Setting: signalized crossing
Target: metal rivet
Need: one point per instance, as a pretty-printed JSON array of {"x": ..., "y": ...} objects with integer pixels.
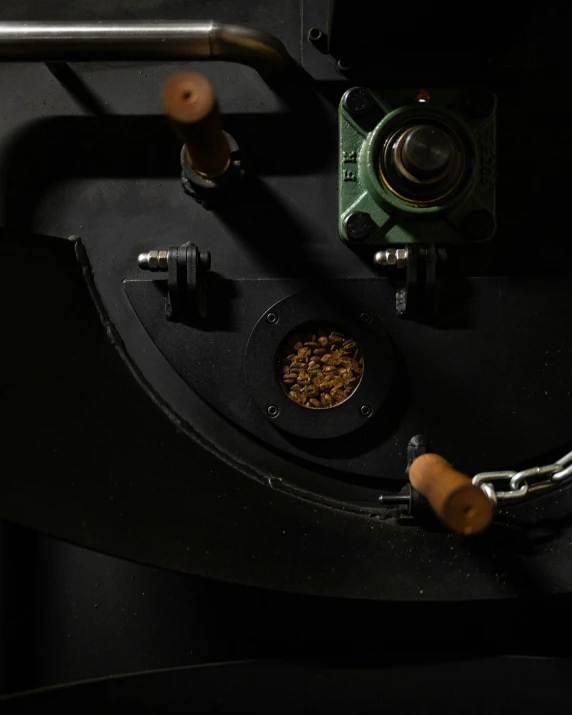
[
  {"x": 315, "y": 34},
  {"x": 273, "y": 411},
  {"x": 365, "y": 410},
  {"x": 272, "y": 318}
]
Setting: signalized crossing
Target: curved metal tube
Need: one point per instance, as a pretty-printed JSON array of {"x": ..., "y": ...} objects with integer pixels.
[{"x": 160, "y": 40}]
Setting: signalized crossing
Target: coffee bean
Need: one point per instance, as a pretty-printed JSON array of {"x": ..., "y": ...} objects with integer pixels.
[
  {"x": 297, "y": 397},
  {"x": 324, "y": 365}
]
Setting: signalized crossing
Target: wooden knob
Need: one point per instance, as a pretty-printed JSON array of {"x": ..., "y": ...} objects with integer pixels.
[
  {"x": 191, "y": 105},
  {"x": 461, "y": 505}
]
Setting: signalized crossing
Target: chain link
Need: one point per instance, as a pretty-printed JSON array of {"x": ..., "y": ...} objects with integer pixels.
[{"x": 526, "y": 482}]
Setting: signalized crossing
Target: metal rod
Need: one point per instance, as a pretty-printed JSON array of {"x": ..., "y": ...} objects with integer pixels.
[{"x": 160, "y": 40}]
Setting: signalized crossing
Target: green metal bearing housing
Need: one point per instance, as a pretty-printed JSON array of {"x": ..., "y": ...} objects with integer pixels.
[{"x": 466, "y": 214}]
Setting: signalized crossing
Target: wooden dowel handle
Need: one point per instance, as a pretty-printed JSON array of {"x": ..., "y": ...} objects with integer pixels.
[
  {"x": 459, "y": 504},
  {"x": 191, "y": 105}
]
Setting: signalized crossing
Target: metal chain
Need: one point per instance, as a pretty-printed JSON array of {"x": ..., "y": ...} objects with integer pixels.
[{"x": 525, "y": 483}]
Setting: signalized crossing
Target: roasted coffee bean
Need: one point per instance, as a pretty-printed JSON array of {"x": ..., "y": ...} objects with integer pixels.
[
  {"x": 297, "y": 397},
  {"x": 310, "y": 390},
  {"x": 349, "y": 363},
  {"x": 324, "y": 370}
]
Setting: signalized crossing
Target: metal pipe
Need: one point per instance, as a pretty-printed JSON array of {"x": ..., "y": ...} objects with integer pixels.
[{"x": 160, "y": 40}]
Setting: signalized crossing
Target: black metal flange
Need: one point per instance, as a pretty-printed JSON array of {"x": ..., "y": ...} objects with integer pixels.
[{"x": 286, "y": 318}]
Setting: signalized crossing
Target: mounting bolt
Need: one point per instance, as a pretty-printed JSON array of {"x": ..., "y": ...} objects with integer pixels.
[
  {"x": 480, "y": 225},
  {"x": 358, "y": 225},
  {"x": 317, "y": 38},
  {"x": 154, "y": 261},
  {"x": 159, "y": 260},
  {"x": 357, "y": 102},
  {"x": 272, "y": 318},
  {"x": 392, "y": 257},
  {"x": 365, "y": 410},
  {"x": 273, "y": 411}
]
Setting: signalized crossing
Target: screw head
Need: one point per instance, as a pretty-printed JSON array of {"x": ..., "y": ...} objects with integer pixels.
[
  {"x": 315, "y": 35},
  {"x": 272, "y": 318},
  {"x": 365, "y": 317},
  {"x": 343, "y": 67},
  {"x": 365, "y": 410},
  {"x": 273, "y": 411},
  {"x": 357, "y": 102},
  {"x": 358, "y": 225}
]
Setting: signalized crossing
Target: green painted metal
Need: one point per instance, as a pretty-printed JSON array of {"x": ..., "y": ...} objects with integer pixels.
[{"x": 398, "y": 221}]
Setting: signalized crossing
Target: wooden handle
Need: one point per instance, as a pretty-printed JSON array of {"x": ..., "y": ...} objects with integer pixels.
[
  {"x": 191, "y": 105},
  {"x": 461, "y": 505}
]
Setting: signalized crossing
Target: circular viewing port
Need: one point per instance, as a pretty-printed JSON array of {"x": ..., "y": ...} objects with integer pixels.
[{"x": 319, "y": 366}]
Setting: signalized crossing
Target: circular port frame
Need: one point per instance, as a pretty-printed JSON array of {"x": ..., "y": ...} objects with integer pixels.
[{"x": 266, "y": 389}]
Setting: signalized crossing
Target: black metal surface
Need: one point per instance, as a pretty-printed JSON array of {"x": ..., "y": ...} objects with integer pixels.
[
  {"x": 527, "y": 684},
  {"x": 386, "y": 41},
  {"x": 149, "y": 492},
  {"x": 73, "y": 615}
]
